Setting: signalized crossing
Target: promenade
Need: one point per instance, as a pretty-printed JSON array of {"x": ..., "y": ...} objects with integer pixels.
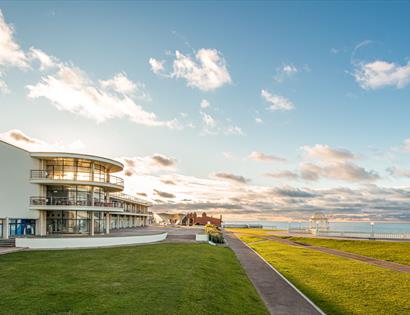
[{"x": 280, "y": 297}]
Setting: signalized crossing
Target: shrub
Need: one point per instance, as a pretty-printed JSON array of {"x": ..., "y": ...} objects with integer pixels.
[{"x": 215, "y": 235}]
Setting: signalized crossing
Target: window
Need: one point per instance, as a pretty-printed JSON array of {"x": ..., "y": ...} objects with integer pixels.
[
  {"x": 18, "y": 227},
  {"x": 76, "y": 222}
]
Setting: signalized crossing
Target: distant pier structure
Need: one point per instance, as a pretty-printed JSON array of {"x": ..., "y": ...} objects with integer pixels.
[{"x": 318, "y": 222}]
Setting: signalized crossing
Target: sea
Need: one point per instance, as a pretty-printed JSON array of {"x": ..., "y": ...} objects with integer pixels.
[{"x": 379, "y": 227}]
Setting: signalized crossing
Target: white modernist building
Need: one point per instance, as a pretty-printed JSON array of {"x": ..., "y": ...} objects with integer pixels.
[{"x": 49, "y": 193}]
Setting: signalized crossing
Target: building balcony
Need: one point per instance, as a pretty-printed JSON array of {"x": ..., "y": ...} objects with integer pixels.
[
  {"x": 107, "y": 181},
  {"x": 63, "y": 203}
]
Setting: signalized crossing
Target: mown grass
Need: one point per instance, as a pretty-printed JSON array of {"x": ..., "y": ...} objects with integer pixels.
[
  {"x": 152, "y": 279},
  {"x": 250, "y": 239},
  {"x": 339, "y": 285},
  {"x": 391, "y": 251},
  {"x": 262, "y": 232}
]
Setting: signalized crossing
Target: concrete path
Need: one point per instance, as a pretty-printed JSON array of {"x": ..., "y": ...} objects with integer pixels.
[
  {"x": 280, "y": 296},
  {"x": 7, "y": 250}
]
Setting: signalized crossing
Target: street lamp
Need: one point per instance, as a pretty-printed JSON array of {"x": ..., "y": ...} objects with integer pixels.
[{"x": 372, "y": 227}]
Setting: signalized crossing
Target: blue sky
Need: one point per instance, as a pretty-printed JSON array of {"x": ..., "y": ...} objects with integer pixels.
[{"x": 315, "y": 94}]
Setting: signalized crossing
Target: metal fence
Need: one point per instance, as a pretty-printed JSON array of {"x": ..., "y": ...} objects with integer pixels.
[{"x": 352, "y": 234}]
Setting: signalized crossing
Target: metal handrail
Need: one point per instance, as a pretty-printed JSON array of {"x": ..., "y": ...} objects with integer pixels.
[
  {"x": 110, "y": 179},
  {"x": 130, "y": 198},
  {"x": 64, "y": 201}
]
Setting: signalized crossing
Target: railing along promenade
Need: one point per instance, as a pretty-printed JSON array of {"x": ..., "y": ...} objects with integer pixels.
[{"x": 353, "y": 234}]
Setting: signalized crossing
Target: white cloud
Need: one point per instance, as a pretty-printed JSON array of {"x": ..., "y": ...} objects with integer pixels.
[
  {"x": 204, "y": 104},
  {"x": 326, "y": 153},
  {"x": 259, "y": 156},
  {"x": 230, "y": 177},
  {"x": 46, "y": 61},
  {"x": 379, "y": 73},
  {"x": 208, "y": 120},
  {"x": 20, "y": 139},
  {"x": 289, "y": 69},
  {"x": 11, "y": 55},
  {"x": 398, "y": 172},
  {"x": 4, "y": 88},
  {"x": 283, "y": 175},
  {"x": 258, "y": 120},
  {"x": 10, "y": 52},
  {"x": 406, "y": 145},
  {"x": 212, "y": 127},
  {"x": 207, "y": 71},
  {"x": 147, "y": 164},
  {"x": 345, "y": 171},
  {"x": 276, "y": 102},
  {"x": 71, "y": 90},
  {"x": 233, "y": 130},
  {"x": 157, "y": 66},
  {"x": 284, "y": 72},
  {"x": 334, "y": 164},
  {"x": 122, "y": 85}
]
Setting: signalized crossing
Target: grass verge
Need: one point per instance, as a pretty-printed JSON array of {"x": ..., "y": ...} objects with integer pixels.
[
  {"x": 151, "y": 279},
  {"x": 339, "y": 285},
  {"x": 398, "y": 252}
]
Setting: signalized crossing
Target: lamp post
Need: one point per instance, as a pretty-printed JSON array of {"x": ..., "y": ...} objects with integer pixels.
[{"x": 372, "y": 229}]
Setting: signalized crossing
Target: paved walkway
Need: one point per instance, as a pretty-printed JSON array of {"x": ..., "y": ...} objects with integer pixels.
[
  {"x": 372, "y": 261},
  {"x": 7, "y": 250},
  {"x": 279, "y": 296}
]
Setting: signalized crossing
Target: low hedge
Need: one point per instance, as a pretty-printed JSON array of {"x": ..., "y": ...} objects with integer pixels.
[{"x": 215, "y": 235}]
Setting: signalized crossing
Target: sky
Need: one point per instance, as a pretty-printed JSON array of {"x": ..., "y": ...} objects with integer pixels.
[{"x": 253, "y": 110}]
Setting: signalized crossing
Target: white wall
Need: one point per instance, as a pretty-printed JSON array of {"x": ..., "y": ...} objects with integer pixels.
[
  {"x": 87, "y": 242},
  {"x": 15, "y": 186}
]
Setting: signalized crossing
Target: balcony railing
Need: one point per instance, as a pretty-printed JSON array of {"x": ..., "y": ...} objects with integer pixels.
[
  {"x": 64, "y": 201},
  {"x": 79, "y": 176}
]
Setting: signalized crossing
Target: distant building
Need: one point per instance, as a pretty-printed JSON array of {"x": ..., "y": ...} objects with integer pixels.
[
  {"x": 168, "y": 218},
  {"x": 193, "y": 219}
]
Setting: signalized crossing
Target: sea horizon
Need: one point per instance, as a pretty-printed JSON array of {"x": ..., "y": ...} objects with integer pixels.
[{"x": 347, "y": 226}]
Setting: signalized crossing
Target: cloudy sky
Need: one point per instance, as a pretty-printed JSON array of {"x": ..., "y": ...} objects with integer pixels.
[{"x": 253, "y": 110}]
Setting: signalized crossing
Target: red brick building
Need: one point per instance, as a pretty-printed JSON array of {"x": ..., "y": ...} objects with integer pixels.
[{"x": 193, "y": 219}]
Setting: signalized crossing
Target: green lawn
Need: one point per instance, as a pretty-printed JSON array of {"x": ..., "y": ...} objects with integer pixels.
[
  {"x": 391, "y": 251},
  {"x": 339, "y": 285},
  {"x": 151, "y": 279}
]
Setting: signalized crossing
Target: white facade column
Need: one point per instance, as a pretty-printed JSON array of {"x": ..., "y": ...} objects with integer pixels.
[
  {"x": 92, "y": 223},
  {"x": 41, "y": 223},
  {"x": 6, "y": 228},
  {"x": 92, "y": 196},
  {"x": 107, "y": 223}
]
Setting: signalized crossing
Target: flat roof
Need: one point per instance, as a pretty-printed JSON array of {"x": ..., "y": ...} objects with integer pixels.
[{"x": 112, "y": 165}]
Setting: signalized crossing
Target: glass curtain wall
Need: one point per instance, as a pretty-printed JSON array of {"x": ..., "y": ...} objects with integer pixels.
[
  {"x": 99, "y": 222},
  {"x": 72, "y": 169},
  {"x": 68, "y": 222},
  {"x": 74, "y": 222},
  {"x": 74, "y": 195}
]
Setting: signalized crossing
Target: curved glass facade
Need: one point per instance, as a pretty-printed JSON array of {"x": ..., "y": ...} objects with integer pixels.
[
  {"x": 74, "y": 222},
  {"x": 70, "y": 169}
]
